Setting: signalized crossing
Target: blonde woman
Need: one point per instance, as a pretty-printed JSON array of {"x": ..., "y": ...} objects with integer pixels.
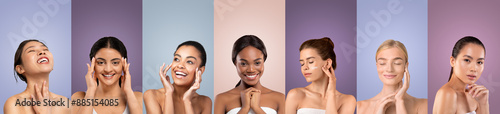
[{"x": 392, "y": 66}]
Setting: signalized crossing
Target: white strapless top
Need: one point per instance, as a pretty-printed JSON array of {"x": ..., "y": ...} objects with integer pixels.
[
  {"x": 473, "y": 112},
  {"x": 126, "y": 111},
  {"x": 310, "y": 111},
  {"x": 266, "y": 109}
]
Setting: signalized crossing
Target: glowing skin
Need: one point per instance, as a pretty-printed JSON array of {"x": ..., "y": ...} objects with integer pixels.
[
  {"x": 250, "y": 68},
  {"x": 391, "y": 68},
  {"x": 107, "y": 68},
  {"x": 37, "y": 63},
  {"x": 461, "y": 94},
  {"x": 250, "y": 94},
  {"x": 180, "y": 97},
  {"x": 322, "y": 92}
]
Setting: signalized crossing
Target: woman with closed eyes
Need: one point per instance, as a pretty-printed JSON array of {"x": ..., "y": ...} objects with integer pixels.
[{"x": 33, "y": 63}]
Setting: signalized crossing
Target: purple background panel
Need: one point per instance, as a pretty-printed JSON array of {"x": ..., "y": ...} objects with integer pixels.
[
  {"x": 94, "y": 19},
  {"x": 312, "y": 20},
  {"x": 450, "y": 20}
]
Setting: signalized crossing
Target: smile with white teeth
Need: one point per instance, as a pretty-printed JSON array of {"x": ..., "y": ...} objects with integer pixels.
[
  {"x": 251, "y": 76},
  {"x": 108, "y": 75},
  {"x": 43, "y": 60},
  {"x": 180, "y": 73}
]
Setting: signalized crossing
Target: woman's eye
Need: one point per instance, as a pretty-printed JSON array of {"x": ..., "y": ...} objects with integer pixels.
[
  {"x": 45, "y": 49},
  {"x": 311, "y": 62},
  {"x": 243, "y": 64},
  {"x": 381, "y": 63},
  {"x": 466, "y": 60},
  {"x": 480, "y": 62},
  {"x": 397, "y": 63},
  {"x": 116, "y": 63},
  {"x": 175, "y": 59},
  {"x": 190, "y": 62},
  {"x": 257, "y": 63},
  {"x": 31, "y": 51},
  {"x": 301, "y": 64},
  {"x": 100, "y": 63}
]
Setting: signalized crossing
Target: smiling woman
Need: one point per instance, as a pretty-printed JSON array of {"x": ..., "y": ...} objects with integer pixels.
[
  {"x": 105, "y": 80},
  {"x": 181, "y": 97},
  {"x": 392, "y": 65},
  {"x": 249, "y": 96},
  {"x": 33, "y": 63}
]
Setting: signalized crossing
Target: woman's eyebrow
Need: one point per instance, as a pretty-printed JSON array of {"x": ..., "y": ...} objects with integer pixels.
[
  {"x": 468, "y": 56},
  {"x": 191, "y": 57},
  {"x": 115, "y": 59}
]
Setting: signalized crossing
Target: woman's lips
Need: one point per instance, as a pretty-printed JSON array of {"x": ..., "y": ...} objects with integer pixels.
[
  {"x": 180, "y": 74},
  {"x": 389, "y": 76},
  {"x": 108, "y": 76},
  {"x": 307, "y": 74},
  {"x": 251, "y": 76},
  {"x": 471, "y": 77},
  {"x": 43, "y": 60}
]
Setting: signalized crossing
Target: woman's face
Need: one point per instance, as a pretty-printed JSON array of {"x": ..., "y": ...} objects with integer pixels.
[
  {"x": 391, "y": 66},
  {"x": 186, "y": 60},
  {"x": 311, "y": 64},
  {"x": 250, "y": 65},
  {"x": 469, "y": 64},
  {"x": 36, "y": 58},
  {"x": 108, "y": 68}
]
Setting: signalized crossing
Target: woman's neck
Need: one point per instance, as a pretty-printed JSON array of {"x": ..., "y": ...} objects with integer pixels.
[
  {"x": 456, "y": 84},
  {"x": 112, "y": 91},
  {"x": 244, "y": 86},
  {"x": 319, "y": 86},
  {"x": 180, "y": 90},
  {"x": 32, "y": 80},
  {"x": 390, "y": 89}
]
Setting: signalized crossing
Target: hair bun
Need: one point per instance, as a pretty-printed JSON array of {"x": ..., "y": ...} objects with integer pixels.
[{"x": 326, "y": 39}]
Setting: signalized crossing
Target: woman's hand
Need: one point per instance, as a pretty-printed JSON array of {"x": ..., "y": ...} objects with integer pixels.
[
  {"x": 165, "y": 80},
  {"x": 41, "y": 95},
  {"x": 255, "y": 99},
  {"x": 384, "y": 103},
  {"x": 246, "y": 95},
  {"x": 332, "y": 80},
  {"x": 126, "y": 78},
  {"x": 479, "y": 92},
  {"x": 402, "y": 91},
  {"x": 90, "y": 79},
  {"x": 196, "y": 85}
]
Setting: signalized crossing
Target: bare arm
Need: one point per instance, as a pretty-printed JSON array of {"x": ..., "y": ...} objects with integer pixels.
[{"x": 220, "y": 107}]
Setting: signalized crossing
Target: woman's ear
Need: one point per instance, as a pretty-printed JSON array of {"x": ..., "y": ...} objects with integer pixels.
[
  {"x": 202, "y": 69},
  {"x": 329, "y": 63},
  {"x": 452, "y": 61},
  {"x": 407, "y": 64},
  {"x": 20, "y": 69}
]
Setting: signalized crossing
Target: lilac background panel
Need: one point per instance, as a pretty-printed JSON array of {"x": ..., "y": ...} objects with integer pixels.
[
  {"x": 48, "y": 21},
  {"x": 312, "y": 20},
  {"x": 94, "y": 19},
  {"x": 450, "y": 20}
]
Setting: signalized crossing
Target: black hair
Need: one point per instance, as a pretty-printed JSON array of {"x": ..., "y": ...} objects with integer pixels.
[
  {"x": 108, "y": 42},
  {"x": 18, "y": 60},
  {"x": 245, "y": 41},
  {"x": 199, "y": 47},
  {"x": 460, "y": 44}
]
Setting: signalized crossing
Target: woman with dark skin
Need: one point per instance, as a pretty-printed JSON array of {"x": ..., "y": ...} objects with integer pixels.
[
  {"x": 33, "y": 64},
  {"x": 105, "y": 80},
  {"x": 460, "y": 94},
  {"x": 249, "y": 95},
  {"x": 181, "y": 97}
]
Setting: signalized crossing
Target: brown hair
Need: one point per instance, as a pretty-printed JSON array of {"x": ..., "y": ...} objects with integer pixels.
[{"x": 324, "y": 47}]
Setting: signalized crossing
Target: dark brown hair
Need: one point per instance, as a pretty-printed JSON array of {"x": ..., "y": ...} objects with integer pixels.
[{"x": 324, "y": 47}]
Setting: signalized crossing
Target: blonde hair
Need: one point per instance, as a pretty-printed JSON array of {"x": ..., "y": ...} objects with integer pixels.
[{"x": 392, "y": 43}]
